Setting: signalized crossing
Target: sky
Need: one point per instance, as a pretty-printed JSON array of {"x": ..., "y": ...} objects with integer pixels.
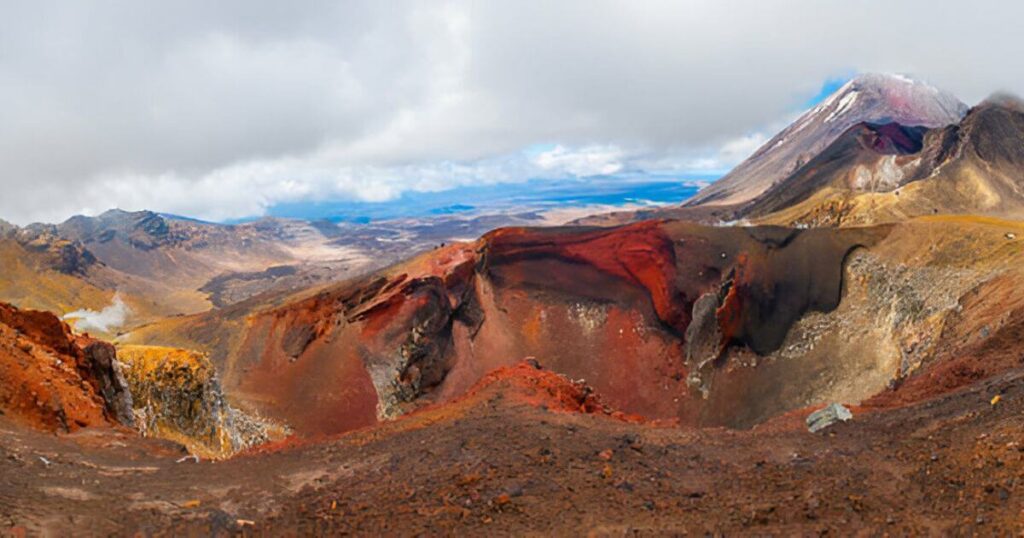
[{"x": 225, "y": 110}]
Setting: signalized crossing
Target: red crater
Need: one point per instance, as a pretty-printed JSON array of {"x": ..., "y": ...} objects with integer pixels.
[
  {"x": 641, "y": 254},
  {"x": 608, "y": 305}
]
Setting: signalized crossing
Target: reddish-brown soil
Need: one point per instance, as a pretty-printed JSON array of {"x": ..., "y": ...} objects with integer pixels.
[
  {"x": 529, "y": 383},
  {"x": 510, "y": 459}
]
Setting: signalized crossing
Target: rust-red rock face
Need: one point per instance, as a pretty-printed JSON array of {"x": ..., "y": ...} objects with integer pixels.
[
  {"x": 640, "y": 254},
  {"x": 54, "y": 380},
  {"x": 615, "y": 306},
  {"x": 729, "y": 313}
]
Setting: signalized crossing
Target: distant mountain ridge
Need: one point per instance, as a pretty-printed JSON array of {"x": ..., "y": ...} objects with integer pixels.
[{"x": 157, "y": 265}]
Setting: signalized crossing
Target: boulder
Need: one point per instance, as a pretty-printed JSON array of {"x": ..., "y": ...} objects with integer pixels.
[{"x": 827, "y": 416}]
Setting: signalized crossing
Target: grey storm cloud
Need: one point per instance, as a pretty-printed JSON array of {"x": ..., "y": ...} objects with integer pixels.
[{"x": 220, "y": 109}]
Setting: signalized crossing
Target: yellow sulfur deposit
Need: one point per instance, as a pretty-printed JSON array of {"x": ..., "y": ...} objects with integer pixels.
[{"x": 177, "y": 396}]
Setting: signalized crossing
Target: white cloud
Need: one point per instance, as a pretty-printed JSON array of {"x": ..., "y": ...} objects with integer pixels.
[
  {"x": 737, "y": 149},
  {"x": 582, "y": 162},
  {"x": 219, "y": 109}
]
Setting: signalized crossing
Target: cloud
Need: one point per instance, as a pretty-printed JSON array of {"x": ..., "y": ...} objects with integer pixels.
[
  {"x": 111, "y": 317},
  {"x": 582, "y": 162},
  {"x": 221, "y": 109},
  {"x": 729, "y": 154}
]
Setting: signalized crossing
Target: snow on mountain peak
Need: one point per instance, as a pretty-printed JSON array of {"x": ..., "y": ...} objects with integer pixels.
[{"x": 845, "y": 103}]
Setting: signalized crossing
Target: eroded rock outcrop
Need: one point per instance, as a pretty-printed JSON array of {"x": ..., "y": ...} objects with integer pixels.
[
  {"x": 55, "y": 380},
  {"x": 55, "y": 252},
  {"x": 176, "y": 395}
]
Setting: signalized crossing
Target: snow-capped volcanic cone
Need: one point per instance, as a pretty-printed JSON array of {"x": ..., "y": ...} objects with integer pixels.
[
  {"x": 870, "y": 98},
  {"x": 888, "y": 173}
]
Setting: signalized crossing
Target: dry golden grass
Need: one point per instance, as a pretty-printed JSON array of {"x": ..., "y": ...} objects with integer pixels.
[
  {"x": 26, "y": 286},
  {"x": 147, "y": 360}
]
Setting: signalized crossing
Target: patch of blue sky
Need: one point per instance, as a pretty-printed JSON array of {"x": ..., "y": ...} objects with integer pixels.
[
  {"x": 828, "y": 88},
  {"x": 537, "y": 149}
]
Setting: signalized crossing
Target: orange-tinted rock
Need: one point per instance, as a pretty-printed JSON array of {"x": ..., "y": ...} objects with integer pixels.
[
  {"x": 730, "y": 311},
  {"x": 54, "y": 380},
  {"x": 42, "y": 328}
]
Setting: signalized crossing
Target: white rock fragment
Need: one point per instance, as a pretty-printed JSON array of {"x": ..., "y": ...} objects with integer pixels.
[{"x": 828, "y": 416}]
